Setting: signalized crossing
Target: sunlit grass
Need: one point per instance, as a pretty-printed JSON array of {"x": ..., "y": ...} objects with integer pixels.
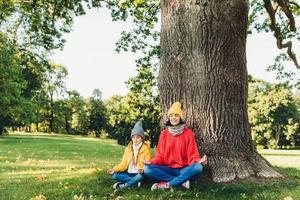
[
  {"x": 68, "y": 167},
  {"x": 282, "y": 158},
  {"x": 35, "y": 162}
]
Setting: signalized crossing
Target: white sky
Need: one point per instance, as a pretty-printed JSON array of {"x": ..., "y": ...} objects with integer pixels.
[{"x": 92, "y": 61}]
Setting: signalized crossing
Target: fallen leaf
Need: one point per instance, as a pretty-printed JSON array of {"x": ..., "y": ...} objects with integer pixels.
[
  {"x": 119, "y": 198},
  {"x": 41, "y": 177},
  {"x": 95, "y": 171},
  {"x": 40, "y": 197}
]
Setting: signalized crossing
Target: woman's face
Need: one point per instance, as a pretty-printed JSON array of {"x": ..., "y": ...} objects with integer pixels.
[{"x": 174, "y": 119}]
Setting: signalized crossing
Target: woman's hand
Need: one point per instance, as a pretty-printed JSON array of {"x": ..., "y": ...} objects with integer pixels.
[
  {"x": 110, "y": 171},
  {"x": 141, "y": 171},
  {"x": 203, "y": 160}
]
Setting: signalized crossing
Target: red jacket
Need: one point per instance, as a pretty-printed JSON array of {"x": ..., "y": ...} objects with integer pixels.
[{"x": 176, "y": 151}]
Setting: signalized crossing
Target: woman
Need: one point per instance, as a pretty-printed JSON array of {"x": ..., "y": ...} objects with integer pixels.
[{"x": 177, "y": 158}]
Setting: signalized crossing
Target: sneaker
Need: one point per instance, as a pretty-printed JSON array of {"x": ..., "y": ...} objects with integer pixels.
[
  {"x": 139, "y": 184},
  {"x": 186, "y": 184},
  {"x": 119, "y": 185},
  {"x": 161, "y": 185}
]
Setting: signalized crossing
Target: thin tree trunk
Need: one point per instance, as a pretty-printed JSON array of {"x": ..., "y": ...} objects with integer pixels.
[
  {"x": 51, "y": 120},
  {"x": 277, "y": 136},
  {"x": 203, "y": 65},
  {"x": 67, "y": 124},
  {"x": 37, "y": 126}
]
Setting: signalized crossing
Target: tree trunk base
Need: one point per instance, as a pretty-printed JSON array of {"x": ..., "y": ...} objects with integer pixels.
[{"x": 224, "y": 169}]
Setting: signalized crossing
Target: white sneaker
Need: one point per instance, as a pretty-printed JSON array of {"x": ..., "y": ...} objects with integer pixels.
[
  {"x": 161, "y": 185},
  {"x": 139, "y": 184},
  {"x": 119, "y": 185},
  {"x": 186, "y": 184}
]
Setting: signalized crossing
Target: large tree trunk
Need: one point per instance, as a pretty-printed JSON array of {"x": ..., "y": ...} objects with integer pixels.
[{"x": 203, "y": 65}]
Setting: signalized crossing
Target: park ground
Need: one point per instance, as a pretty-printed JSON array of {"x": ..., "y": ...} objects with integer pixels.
[{"x": 56, "y": 167}]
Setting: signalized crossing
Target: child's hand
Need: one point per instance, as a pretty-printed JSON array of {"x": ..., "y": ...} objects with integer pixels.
[
  {"x": 110, "y": 171},
  {"x": 203, "y": 160},
  {"x": 147, "y": 162},
  {"x": 141, "y": 171}
]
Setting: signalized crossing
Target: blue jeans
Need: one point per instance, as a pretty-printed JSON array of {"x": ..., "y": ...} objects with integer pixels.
[
  {"x": 128, "y": 178},
  {"x": 175, "y": 176}
]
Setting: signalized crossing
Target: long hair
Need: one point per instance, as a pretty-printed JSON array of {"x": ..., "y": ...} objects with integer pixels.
[{"x": 168, "y": 123}]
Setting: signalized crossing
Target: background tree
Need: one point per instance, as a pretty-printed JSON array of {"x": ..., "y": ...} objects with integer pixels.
[
  {"x": 273, "y": 114},
  {"x": 12, "y": 83},
  {"x": 34, "y": 29},
  {"x": 54, "y": 85},
  {"x": 143, "y": 99},
  {"x": 120, "y": 118},
  {"x": 75, "y": 117},
  {"x": 97, "y": 114}
]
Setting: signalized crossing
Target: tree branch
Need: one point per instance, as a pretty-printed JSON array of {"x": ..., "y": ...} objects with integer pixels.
[
  {"x": 272, "y": 9},
  {"x": 287, "y": 11},
  {"x": 54, "y": 12},
  {"x": 33, "y": 3},
  {"x": 295, "y": 4}
]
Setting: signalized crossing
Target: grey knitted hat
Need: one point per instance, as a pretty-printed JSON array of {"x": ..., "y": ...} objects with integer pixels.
[{"x": 138, "y": 129}]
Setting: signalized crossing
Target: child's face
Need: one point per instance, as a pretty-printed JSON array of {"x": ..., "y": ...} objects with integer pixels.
[
  {"x": 174, "y": 119},
  {"x": 136, "y": 139}
]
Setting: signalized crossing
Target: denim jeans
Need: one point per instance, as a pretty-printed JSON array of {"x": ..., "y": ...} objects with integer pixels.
[
  {"x": 175, "y": 176},
  {"x": 128, "y": 178}
]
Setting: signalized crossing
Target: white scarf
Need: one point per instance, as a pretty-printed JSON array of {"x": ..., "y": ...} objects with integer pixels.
[{"x": 132, "y": 168}]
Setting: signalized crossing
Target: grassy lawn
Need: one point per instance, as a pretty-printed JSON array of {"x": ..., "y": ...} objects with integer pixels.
[
  {"x": 282, "y": 158},
  {"x": 56, "y": 167}
]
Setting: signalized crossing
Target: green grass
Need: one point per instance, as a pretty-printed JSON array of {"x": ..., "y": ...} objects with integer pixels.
[
  {"x": 72, "y": 167},
  {"x": 282, "y": 158}
]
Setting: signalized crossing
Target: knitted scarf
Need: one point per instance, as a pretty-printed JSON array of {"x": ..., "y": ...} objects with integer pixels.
[{"x": 176, "y": 130}]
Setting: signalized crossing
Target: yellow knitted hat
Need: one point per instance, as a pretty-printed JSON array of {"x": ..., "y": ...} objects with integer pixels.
[{"x": 176, "y": 109}]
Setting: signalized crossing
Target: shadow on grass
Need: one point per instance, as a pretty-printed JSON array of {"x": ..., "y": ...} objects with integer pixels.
[
  {"x": 254, "y": 189},
  {"x": 99, "y": 186}
]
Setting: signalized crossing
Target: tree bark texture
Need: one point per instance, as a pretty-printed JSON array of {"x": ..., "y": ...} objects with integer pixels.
[{"x": 203, "y": 65}]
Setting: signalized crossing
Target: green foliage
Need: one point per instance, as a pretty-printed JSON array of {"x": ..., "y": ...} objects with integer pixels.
[
  {"x": 75, "y": 113},
  {"x": 257, "y": 17},
  {"x": 6, "y": 8},
  {"x": 142, "y": 103},
  {"x": 12, "y": 83},
  {"x": 38, "y": 26},
  {"x": 273, "y": 114},
  {"x": 144, "y": 99},
  {"x": 120, "y": 118},
  {"x": 97, "y": 114},
  {"x": 54, "y": 86},
  {"x": 289, "y": 77}
]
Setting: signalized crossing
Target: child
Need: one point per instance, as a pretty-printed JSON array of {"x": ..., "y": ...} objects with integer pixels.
[{"x": 130, "y": 171}]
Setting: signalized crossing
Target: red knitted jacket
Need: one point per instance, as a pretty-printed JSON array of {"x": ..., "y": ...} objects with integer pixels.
[{"x": 176, "y": 151}]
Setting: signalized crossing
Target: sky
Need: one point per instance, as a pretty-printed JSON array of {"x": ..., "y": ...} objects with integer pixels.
[{"x": 92, "y": 62}]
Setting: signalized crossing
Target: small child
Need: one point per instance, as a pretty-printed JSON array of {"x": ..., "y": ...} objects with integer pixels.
[{"x": 130, "y": 171}]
